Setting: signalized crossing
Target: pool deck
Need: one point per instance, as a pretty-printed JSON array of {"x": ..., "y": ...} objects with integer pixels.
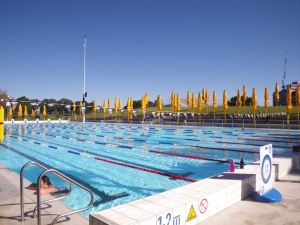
[
  {"x": 245, "y": 212},
  {"x": 248, "y": 212},
  {"x": 10, "y": 203}
]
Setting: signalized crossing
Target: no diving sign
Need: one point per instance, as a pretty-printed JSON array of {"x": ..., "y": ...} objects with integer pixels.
[{"x": 203, "y": 205}]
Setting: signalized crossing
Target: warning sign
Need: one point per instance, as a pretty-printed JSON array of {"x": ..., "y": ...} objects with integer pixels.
[{"x": 192, "y": 214}]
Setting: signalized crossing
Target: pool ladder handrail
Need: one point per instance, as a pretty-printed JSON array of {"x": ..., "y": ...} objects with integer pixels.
[
  {"x": 22, "y": 188},
  {"x": 39, "y": 203}
]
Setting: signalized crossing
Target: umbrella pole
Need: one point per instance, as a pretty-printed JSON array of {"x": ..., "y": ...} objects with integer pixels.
[{"x": 225, "y": 117}]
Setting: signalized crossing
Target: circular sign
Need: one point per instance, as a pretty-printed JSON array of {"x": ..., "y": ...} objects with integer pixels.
[
  {"x": 266, "y": 169},
  {"x": 203, "y": 205}
]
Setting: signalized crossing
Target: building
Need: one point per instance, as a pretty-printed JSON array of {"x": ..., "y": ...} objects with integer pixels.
[{"x": 282, "y": 94}]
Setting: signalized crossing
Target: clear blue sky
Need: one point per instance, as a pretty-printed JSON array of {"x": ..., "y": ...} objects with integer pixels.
[{"x": 146, "y": 46}]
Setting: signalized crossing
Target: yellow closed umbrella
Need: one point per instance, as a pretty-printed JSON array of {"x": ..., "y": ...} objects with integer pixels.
[
  {"x": 144, "y": 102},
  {"x": 128, "y": 108},
  {"x": 214, "y": 103},
  {"x": 159, "y": 103},
  {"x": 298, "y": 99},
  {"x": 120, "y": 104},
  {"x": 144, "y": 105},
  {"x": 108, "y": 103},
  {"x": 238, "y": 101},
  {"x": 1, "y": 124},
  {"x": 193, "y": 102},
  {"x": 172, "y": 101},
  {"x": 74, "y": 109},
  {"x": 206, "y": 99},
  {"x": 254, "y": 105},
  {"x": 175, "y": 102},
  {"x": 178, "y": 103},
  {"x": 20, "y": 114},
  {"x": 199, "y": 105},
  {"x": 1, "y": 115},
  {"x": 188, "y": 100},
  {"x": 25, "y": 111},
  {"x": 44, "y": 111},
  {"x": 1, "y": 132},
  {"x": 244, "y": 96},
  {"x": 131, "y": 103},
  {"x": 32, "y": 113},
  {"x": 266, "y": 96},
  {"x": 289, "y": 104},
  {"x": 225, "y": 104},
  {"x": 159, "y": 106},
  {"x": 276, "y": 95}
]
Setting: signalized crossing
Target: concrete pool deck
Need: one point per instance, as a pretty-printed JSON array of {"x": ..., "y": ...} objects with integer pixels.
[
  {"x": 10, "y": 203},
  {"x": 248, "y": 212},
  {"x": 245, "y": 212}
]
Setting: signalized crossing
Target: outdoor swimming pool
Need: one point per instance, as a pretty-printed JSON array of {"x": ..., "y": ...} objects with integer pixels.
[{"x": 121, "y": 163}]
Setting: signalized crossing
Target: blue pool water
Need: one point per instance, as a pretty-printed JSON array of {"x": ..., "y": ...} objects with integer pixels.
[{"x": 121, "y": 163}]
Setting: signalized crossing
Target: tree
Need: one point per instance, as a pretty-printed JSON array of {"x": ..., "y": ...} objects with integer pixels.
[{"x": 232, "y": 101}]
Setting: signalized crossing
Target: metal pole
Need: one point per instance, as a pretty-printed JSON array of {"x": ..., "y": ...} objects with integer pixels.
[{"x": 84, "y": 63}]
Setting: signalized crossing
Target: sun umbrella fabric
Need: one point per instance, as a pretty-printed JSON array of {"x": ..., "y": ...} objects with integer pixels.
[
  {"x": 1, "y": 132},
  {"x": 74, "y": 107},
  {"x": 206, "y": 97},
  {"x": 225, "y": 101},
  {"x": 188, "y": 100},
  {"x": 193, "y": 102},
  {"x": 178, "y": 103},
  {"x": 25, "y": 111},
  {"x": 214, "y": 100},
  {"x": 104, "y": 106},
  {"x": 244, "y": 95},
  {"x": 214, "y": 103},
  {"x": 238, "y": 101},
  {"x": 120, "y": 104},
  {"x": 225, "y": 104},
  {"x": 266, "y": 96},
  {"x": 289, "y": 104},
  {"x": 32, "y": 113},
  {"x": 108, "y": 103},
  {"x": 276, "y": 95},
  {"x": 254, "y": 100},
  {"x": 20, "y": 110},
  {"x": 1, "y": 124},
  {"x": 1, "y": 115},
  {"x": 199, "y": 103},
  {"x": 159, "y": 103},
  {"x": 44, "y": 111}
]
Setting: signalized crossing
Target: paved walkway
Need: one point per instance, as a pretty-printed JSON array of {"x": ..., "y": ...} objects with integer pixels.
[
  {"x": 10, "y": 204},
  {"x": 248, "y": 212}
]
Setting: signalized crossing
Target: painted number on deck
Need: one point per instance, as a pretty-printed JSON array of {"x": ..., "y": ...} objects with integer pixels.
[{"x": 164, "y": 220}]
